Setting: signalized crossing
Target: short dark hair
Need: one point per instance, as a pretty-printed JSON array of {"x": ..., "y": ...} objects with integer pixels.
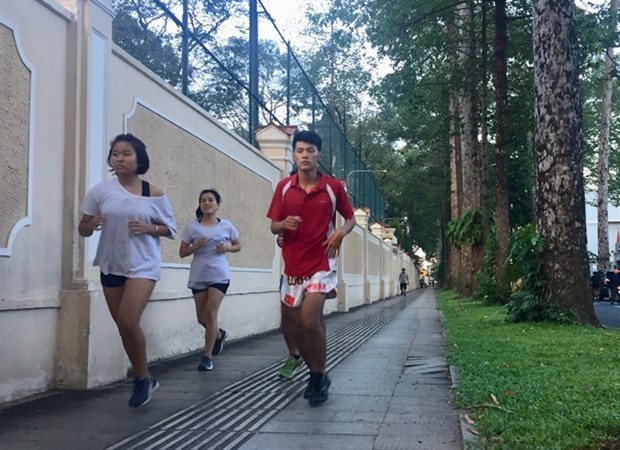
[
  {"x": 307, "y": 136},
  {"x": 218, "y": 199},
  {"x": 142, "y": 158}
]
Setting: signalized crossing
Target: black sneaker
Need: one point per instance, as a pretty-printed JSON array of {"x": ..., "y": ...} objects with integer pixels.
[
  {"x": 143, "y": 389},
  {"x": 311, "y": 384},
  {"x": 309, "y": 387},
  {"x": 205, "y": 364},
  {"x": 219, "y": 343},
  {"x": 318, "y": 388}
]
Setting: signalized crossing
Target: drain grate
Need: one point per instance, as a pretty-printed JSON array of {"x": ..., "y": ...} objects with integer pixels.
[{"x": 230, "y": 417}]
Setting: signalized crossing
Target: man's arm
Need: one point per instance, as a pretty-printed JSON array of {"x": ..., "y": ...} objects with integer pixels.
[
  {"x": 334, "y": 241},
  {"x": 290, "y": 223}
]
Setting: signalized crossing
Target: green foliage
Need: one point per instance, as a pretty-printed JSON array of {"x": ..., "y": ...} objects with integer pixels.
[
  {"x": 151, "y": 49},
  {"x": 524, "y": 265},
  {"x": 465, "y": 231},
  {"x": 440, "y": 273},
  {"x": 526, "y": 307},
  {"x": 524, "y": 270},
  {"x": 553, "y": 385},
  {"x": 488, "y": 292}
]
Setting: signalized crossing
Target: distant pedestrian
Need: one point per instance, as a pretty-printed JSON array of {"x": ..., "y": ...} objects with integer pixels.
[
  {"x": 132, "y": 215},
  {"x": 403, "y": 279},
  {"x": 597, "y": 282},
  {"x": 304, "y": 208},
  {"x": 612, "y": 281},
  {"x": 209, "y": 238}
]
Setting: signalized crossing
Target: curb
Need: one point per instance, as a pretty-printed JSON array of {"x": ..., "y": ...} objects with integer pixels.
[{"x": 467, "y": 434}]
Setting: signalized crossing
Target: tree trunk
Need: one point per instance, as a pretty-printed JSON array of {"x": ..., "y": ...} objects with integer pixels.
[
  {"x": 502, "y": 155},
  {"x": 456, "y": 180},
  {"x": 469, "y": 142},
  {"x": 603, "y": 156},
  {"x": 560, "y": 206},
  {"x": 456, "y": 191},
  {"x": 484, "y": 136}
]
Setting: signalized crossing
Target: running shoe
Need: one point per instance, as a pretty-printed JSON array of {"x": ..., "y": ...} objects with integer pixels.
[
  {"x": 219, "y": 343},
  {"x": 317, "y": 391},
  {"x": 143, "y": 389},
  {"x": 290, "y": 366},
  {"x": 205, "y": 364}
]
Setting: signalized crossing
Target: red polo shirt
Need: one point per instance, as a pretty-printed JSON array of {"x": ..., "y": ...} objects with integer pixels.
[{"x": 303, "y": 250}]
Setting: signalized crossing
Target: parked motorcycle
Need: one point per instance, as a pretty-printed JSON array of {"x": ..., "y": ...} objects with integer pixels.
[{"x": 614, "y": 295}]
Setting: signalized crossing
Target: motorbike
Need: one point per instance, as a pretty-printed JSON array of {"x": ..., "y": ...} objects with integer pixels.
[{"x": 614, "y": 295}]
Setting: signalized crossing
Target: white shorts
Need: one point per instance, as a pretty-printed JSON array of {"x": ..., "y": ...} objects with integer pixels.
[{"x": 293, "y": 289}]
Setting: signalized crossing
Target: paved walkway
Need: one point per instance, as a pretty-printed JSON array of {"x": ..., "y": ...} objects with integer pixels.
[{"x": 390, "y": 390}]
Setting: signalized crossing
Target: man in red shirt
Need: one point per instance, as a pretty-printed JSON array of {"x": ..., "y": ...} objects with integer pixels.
[{"x": 303, "y": 208}]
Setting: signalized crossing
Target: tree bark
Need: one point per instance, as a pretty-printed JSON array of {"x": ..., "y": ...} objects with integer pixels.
[
  {"x": 484, "y": 136},
  {"x": 456, "y": 179},
  {"x": 560, "y": 207},
  {"x": 502, "y": 154},
  {"x": 469, "y": 143},
  {"x": 603, "y": 156},
  {"x": 456, "y": 191}
]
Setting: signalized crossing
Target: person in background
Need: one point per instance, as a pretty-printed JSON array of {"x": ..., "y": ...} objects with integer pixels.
[
  {"x": 209, "y": 238},
  {"x": 131, "y": 215},
  {"x": 303, "y": 208},
  {"x": 403, "y": 279},
  {"x": 597, "y": 281},
  {"x": 612, "y": 281}
]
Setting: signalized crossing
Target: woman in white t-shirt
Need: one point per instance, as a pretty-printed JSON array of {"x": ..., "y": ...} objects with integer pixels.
[
  {"x": 209, "y": 238},
  {"x": 132, "y": 215}
]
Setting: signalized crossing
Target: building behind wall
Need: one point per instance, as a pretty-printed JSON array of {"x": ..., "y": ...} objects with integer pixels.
[{"x": 613, "y": 216}]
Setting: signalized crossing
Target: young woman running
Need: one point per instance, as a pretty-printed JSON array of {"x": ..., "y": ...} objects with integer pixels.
[{"x": 209, "y": 238}]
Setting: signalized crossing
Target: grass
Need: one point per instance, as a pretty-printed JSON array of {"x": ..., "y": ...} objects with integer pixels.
[{"x": 533, "y": 385}]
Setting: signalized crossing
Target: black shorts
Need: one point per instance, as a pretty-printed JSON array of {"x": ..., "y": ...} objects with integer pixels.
[
  {"x": 223, "y": 287},
  {"x": 112, "y": 281},
  {"x": 403, "y": 285}
]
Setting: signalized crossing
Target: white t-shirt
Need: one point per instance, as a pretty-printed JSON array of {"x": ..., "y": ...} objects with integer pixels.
[
  {"x": 120, "y": 252},
  {"x": 208, "y": 265}
]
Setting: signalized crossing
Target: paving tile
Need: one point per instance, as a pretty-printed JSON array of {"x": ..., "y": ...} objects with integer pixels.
[
  {"x": 376, "y": 402},
  {"x": 291, "y": 441}
]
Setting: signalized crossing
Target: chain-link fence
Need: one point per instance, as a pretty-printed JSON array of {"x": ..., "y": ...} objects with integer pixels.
[{"x": 232, "y": 60}]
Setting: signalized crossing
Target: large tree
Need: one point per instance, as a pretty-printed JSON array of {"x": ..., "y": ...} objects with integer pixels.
[
  {"x": 603, "y": 151},
  {"x": 560, "y": 203},
  {"x": 502, "y": 152}
]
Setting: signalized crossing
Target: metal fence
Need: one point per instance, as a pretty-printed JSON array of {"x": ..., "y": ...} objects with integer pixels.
[{"x": 245, "y": 76}]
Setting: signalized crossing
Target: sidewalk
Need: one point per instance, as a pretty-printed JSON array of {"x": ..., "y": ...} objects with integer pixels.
[{"x": 390, "y": 390}]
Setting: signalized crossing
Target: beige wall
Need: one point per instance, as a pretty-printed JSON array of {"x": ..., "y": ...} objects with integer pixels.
[{"x": 62, "y": 103}]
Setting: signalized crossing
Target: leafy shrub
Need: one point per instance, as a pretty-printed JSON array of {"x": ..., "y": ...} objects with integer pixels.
[
  {"x": 526, "y": 307},
  {"x": 524, "y": 270},
  {"x": 488, "y": 292},
  {"x": 465, "y": 231},
  {"x": 524, "y": 264}
]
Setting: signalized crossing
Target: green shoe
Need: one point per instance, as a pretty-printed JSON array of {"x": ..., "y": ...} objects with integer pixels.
[{"x": 289, "y": 367}]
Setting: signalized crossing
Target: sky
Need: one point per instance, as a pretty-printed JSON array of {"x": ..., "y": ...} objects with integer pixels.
[{"x": 289, "y": 16}]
